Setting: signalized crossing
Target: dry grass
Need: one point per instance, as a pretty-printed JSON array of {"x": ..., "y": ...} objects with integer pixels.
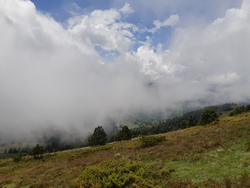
[{"x": 193, "y": 155}]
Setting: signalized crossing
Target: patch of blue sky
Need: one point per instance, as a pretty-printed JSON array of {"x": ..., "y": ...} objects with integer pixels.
[
  {"x": 107, "y": 55},
  {"x": 52, "y": 7},
  {"x": 61, "y": 10},
  {"x": 47, "y": 5},
  {"x": 163, "y": 36},
  {"x": 93, "y": 4}
]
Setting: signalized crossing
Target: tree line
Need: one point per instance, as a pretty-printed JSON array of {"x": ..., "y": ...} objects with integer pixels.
[
  {"x": 199, "y": 117},
  {"x": 101, "y": 137}
]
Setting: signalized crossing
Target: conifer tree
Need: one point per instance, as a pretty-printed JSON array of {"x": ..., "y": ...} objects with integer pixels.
[
  {"x": 124, "y": 134},
  {"x": 38, "y": 152},
  {"x": 99, "y": 137},
  {"x": 208, "y": 115}
]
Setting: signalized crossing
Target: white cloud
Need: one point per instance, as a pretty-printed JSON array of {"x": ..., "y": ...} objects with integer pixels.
[
  {"x": 217, "y": 54},
  {"x": 224, "y": 79},
  {"x": 156, "y": 63},
  {"x": 191, "y": 12},
  {"x": 52, "y": 75},
  {"x": 171, "y": 21},
  {"x": 126, "y": 9},
  {"x": 105, "y": 29}
]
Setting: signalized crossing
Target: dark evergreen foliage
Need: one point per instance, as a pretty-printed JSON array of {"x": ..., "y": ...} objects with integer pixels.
[
  {"x": 25, "y": 150},
  {"x": 14, "y": 150},
  {"x": 179, "y": 122},
  {"x": 183, "y": 121},
  {"x": 10, "y": 150},
  {"x": 124, "y": 134},
  {"x": 224, "y": 107},
  {"x": 240, "y": 109},
  {"x": 208, "y": 115},
  {"x": 53, "y": 144},
  {"x": 99, "y": 137},
  {"x": 38, "y": 152}
]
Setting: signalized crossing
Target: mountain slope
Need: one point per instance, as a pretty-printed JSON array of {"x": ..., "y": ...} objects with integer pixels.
[{"x": 214, "y": 155}]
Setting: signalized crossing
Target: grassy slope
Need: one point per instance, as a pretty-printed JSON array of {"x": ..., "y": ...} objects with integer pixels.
[{"x": 209, "y": 156}]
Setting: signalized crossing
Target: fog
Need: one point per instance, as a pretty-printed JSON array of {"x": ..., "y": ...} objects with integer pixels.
[{"x": 76, "y": 77}]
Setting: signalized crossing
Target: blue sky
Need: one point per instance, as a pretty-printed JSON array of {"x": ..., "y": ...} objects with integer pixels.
[
  {"x": 59, "y": 9},
  {"x": 191, "y": 12},
  {"x": 145, "y": 11}
]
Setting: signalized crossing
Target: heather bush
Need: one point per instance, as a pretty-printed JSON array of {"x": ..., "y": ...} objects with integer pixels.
[
  {"x": 114, "y": 173},
  {"x": 147, "y": 141}
]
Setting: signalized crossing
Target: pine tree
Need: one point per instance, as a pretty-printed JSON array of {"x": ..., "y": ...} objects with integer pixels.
[
  {"x": 37, "y": 152},
  {"x": 124, "y": 134},
  {"x": 208, "y": 115},
  {"x": 99, "y": 137},
  {"x": 191, "y": 121}
]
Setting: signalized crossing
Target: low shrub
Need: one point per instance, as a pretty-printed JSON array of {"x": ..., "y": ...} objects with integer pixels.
[
  {"x": 114, "y": 173},
  {"x": 147, "y": 141},
  {"x": 17, "y": 158}
]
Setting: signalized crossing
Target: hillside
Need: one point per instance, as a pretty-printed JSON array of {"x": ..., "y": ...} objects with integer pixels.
[{"x": 216, "y": 155}]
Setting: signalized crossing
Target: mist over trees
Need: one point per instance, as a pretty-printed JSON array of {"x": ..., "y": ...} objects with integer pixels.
[
  {"x": 54, "y": 141},
  {"x": 181, "y": 121}
]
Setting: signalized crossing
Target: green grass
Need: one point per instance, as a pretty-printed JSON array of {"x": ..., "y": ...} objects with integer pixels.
[
  {"x": 215, "y": 155},
  {"x": 217, "y": 164},
  {"x": 7, "y": 155}
]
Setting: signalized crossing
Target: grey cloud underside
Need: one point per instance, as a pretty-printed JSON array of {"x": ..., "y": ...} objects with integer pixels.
[{"x": 52, "y": 76}]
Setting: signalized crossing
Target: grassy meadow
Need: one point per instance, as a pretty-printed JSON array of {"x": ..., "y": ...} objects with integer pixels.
[{"x": 216, "y": 155}]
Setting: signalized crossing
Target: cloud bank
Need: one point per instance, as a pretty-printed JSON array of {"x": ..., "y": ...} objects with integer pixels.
[{"x": 95, "y": 68}]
